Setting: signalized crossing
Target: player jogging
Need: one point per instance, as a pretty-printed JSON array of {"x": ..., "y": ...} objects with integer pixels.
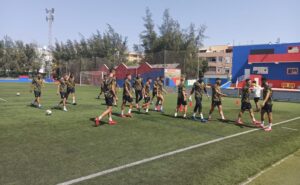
[
  {"x": 154, "y": 90},
  {"x": 217, "y": 99},
  {"x": 160, "y": 96},
  {"x": 109, "y": 94},
  {"x": 199, "y": 88},
  {"x": 71, "y": 88},
  {"x": 36, "y": 86},
  {"x": 257, "y": 94},
  {"x": 127, "y": 96},
  {"x": 245, "y": 103},
  {"x": 267, "y": 105},
  {"x": 62, "y": 90},
  {"x": 182, "y": 98},
  {"x": 138, "y": 87},
  {"x": 146, "y": 94},
  {"x": 102, "y": 87},
  {"x": 116, "y": 92}
]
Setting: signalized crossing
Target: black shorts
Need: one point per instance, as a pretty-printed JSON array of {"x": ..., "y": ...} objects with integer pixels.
[
  {"x": 216, "y": 103},
  {"x": 198, "y": 100},
  {"x": 154, "y": 93},
  {"x": 109, "y": 101},
  {"x": 246, "y": 106},
  {"x": 147, "y": 99},
  {"x": 256, "y": 99},
  {"x": 63, "y": 95},
  {"x": 267, "y": 108},
  {"x": 181, "y": 101},
  {"x": 127, "y": 98},
  {"x": 37, "y": 94},
  {"x": 71, "y": 90}
]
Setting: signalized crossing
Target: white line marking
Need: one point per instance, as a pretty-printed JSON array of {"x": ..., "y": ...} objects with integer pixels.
[
  {"x": 250, "y": 179},
  {"x": 290, "y": 128},
  {"x": 3, "y": 99},
  {"x": 164, "y": 155}
]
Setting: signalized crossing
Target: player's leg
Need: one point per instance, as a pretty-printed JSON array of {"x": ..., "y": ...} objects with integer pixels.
[
  {"x": 270, "y": 118},
  {"x": 196, "y": 108},
  {"x": 136, "y": 97},
  {"x": 161, "y": 103},
  {"x": 185, "y": 110},
  {"x": 130, "y": 100},
  {"x": 34, "y": 102},
  {"x": 38, "y": 100},
  {"x": 212, "y": 108},
  {"x": 153, "y": 96},
  {"x": 200, "y": 111},
  {"x": 73, "y": 96},
  {"x": 256, "y": 104},
  {"x": 220, "y": 108},
  {"x": 262, "y": 117},
  {"x": 148, "y": 104},
  {"x": 64, "y": 103},
  {"x": 251, "y": 112},
  {"x": 123, "y": 106},
  {"x": 140, "y": 95},
  {"x": 177, "y": 107}
]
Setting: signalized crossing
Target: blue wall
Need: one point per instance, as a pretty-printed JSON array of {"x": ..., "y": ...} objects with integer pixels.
[{"x": 276, "y": 71}]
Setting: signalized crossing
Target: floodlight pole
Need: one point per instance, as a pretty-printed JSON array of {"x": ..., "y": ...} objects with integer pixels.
[{"x": 50, "y": 19}]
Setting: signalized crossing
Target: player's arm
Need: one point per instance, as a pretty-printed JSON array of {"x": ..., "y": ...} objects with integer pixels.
[
  {"x": 220, "y": 93},
  {"x": 42, "y": 83},
  {"x": 184, "y": 94},
  {"x": 192, "y": 92},
  {"x": 58, "y": 87},
  {"x": 127, "y": 91},
  {"x": 113, "y": 90},
  {"x": 205, "y": 90},
  {"x": 143, "y": 91}
]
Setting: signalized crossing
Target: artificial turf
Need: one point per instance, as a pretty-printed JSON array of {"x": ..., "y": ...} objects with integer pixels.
[{"x": 40, "y": 149}]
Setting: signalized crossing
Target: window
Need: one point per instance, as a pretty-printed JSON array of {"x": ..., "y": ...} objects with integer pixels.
[
  {"x": 292, "y": 71},
  {"x": 219, "y": 70},
  {"x": 220, "y": 59},
  {"x": 212, "y": 69},
  {"x": 228, "y": 60},
  {"x": 211, "y": 59},
  {"x": 227, "y": 70}
]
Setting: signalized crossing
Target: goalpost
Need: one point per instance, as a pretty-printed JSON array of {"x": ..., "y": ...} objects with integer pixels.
[{"x": 91, "y": 77}]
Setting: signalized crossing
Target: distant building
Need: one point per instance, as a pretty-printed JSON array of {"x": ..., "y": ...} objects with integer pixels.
[
  {"x": 219, "y": 60},
  {"x": 134, "y": 57},
  {"x": 279, "y": 63}
]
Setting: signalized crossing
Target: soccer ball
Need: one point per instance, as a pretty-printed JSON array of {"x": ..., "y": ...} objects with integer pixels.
[
  {"x": 18, "y": 94},
  {"x": 48, "y": 112}
]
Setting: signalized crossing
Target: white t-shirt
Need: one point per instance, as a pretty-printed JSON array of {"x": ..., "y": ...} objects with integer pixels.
[{"x": 257, "y": 91}]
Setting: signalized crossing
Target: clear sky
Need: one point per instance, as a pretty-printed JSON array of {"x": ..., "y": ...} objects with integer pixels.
[{"x": 241, "y": 21}]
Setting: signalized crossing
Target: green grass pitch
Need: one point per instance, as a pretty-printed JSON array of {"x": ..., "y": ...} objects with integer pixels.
[{"x": 40, "y": 149}]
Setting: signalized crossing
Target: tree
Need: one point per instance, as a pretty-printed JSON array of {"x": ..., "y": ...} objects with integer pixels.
[
  {"x": 181, "y": 44},
  {"x": 148, "y": 37}
]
